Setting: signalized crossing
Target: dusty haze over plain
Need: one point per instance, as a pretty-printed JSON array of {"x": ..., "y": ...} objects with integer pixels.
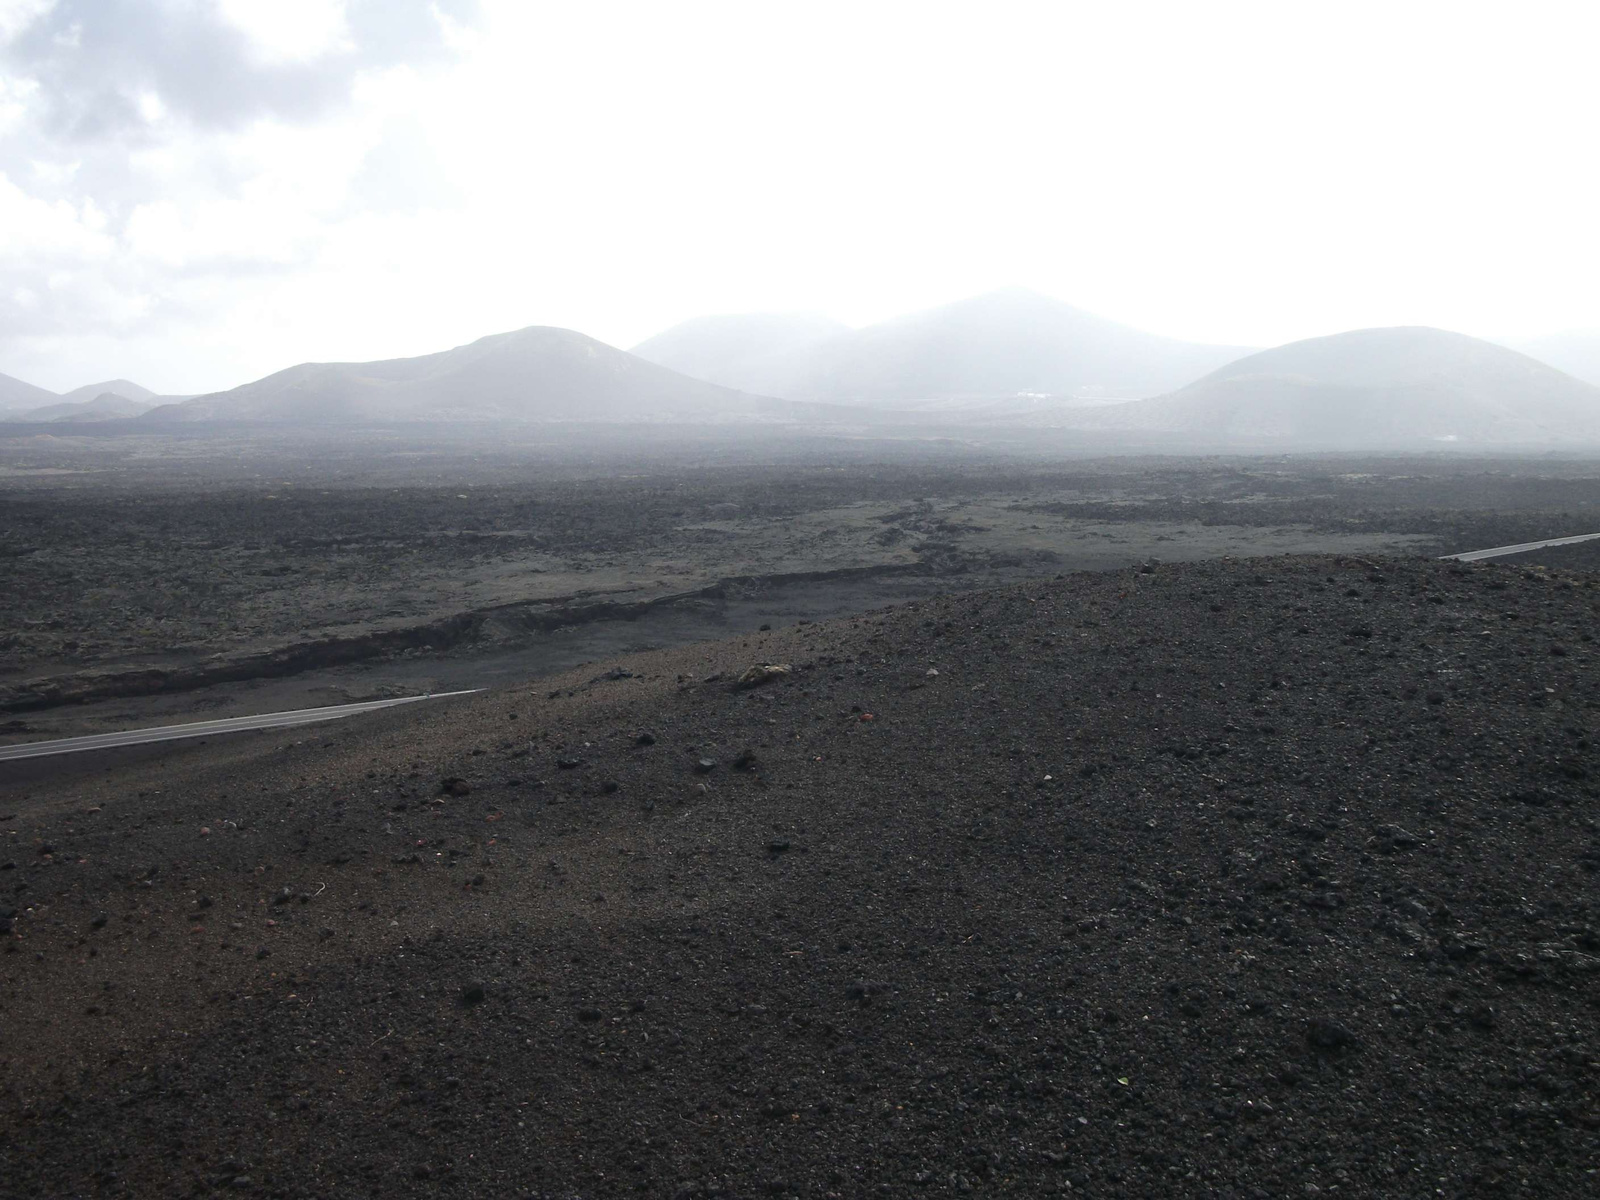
[{"x": 194, "y": 193}]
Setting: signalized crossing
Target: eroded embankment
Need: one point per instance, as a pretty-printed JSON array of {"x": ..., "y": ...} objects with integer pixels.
[{"x": 456, "y": 631}]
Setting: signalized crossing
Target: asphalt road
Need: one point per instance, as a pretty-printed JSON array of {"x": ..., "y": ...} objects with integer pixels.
[
  {"x": 169, "y": 733},
  {"x": 1498, "y": 551}
]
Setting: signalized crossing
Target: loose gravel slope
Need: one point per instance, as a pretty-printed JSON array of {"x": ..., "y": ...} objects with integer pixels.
[{"x": 1235, "y": 879}]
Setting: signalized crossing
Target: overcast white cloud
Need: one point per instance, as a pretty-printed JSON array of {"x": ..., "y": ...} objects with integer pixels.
[{"x": 196, "y": 192}]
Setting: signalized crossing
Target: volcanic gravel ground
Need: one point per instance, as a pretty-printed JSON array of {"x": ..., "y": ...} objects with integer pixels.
[{"x": 1238, "y": 879}]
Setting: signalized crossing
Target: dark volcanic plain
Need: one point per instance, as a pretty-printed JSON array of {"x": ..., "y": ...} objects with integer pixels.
[
  {"x": 1239, "y": 876},
  {"x": 1232, "y": 878},
  {"x": 143, "y": 580}
]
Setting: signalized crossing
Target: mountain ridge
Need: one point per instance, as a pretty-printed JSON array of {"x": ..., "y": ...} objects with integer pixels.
[
  {"x": 106, "y": 406},
  {"x": 22, "y": 401},
  {"x": 16, "y": 394},
  {"x": 125, "y": 388},
  {"x": 1006, "y": 342},
  {"x": 1397, "y": 385},
  {"x": 537, "y": 373},
  {"x": 722, "y": 348}
]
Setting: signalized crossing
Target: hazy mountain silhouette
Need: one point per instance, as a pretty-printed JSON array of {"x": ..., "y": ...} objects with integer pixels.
[
  {"x": 731, "y": 349},
  {"x": 1003, "y": 343},
  {"x": 14, "y": 394},
  {"x": 125, "y": 388},
  {"x": 93, "y": 401},
  {"x": 539, "y": 373},
  {"x": 104, "y": 407},
  {"x": 1373, "y": 388},
  {"x": 1575, "y": 351}
]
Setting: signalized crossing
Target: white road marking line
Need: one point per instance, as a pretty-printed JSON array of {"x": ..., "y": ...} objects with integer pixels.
[
  {"x": 170, "y": 733},
  {"x": 1497, "y": 551}
]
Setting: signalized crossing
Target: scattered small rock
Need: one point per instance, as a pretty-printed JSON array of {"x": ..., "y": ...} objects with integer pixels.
[{"x": 763, "y": 673}]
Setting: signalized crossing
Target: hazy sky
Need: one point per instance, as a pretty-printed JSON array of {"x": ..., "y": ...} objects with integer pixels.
[{"x": 196, "y": 192}]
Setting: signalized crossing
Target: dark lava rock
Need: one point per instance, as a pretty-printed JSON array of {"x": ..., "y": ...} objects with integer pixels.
[
  {"x": 746, "y": 761},
  {"x": 645, "y": 739},
  {"x": 454, "y": 785},
  {"x": 1397, "y": 837},
  {"x": 1326, "y": 1034},
  {"x": 610, "y": 787},
  {"x": 98, "y": 921},
  {"x": 568, "y": 764},
  {"x": 472, "y": 992},
  {"x": 588, "y": 1015},
  {"x": 1458, "y": 949},
  {"x": 1414, "y": 909}
]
